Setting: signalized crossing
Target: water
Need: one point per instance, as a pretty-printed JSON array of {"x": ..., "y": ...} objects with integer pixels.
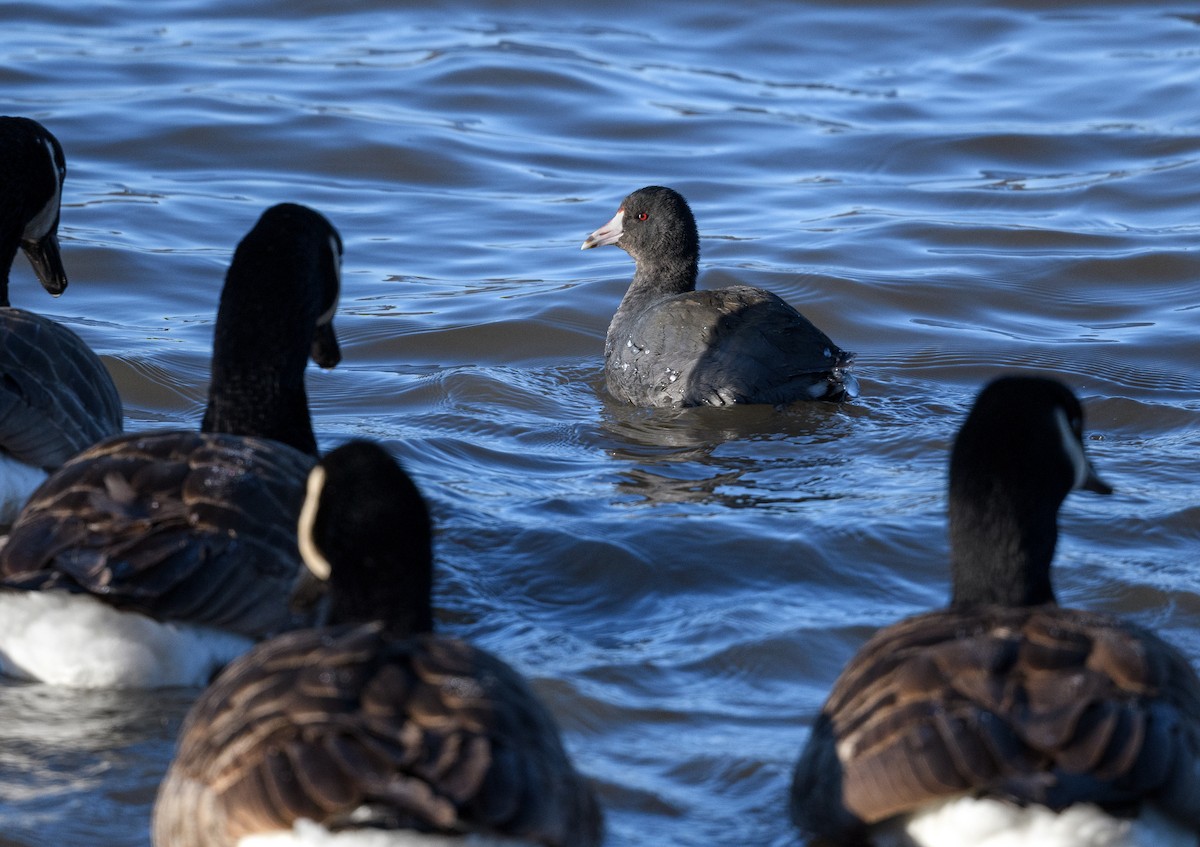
[{"x": 951, "y": 192}]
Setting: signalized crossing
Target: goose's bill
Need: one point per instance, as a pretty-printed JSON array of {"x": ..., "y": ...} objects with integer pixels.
[
  {"x": 607, "y": 234},
  {"x": 47, "y": 262},
  {"x": 1092, "y": 482},
  {"x": 325, "y": 350}
]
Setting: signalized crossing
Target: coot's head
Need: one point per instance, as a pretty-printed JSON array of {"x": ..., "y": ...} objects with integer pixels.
[{"x": 654, "y": 223}]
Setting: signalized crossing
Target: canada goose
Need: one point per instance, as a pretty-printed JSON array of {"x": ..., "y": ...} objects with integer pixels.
[
  {"x": 671, "y": 345},
  {"x": 56, "y": 397},
  {"x": 153, "y": 558},
  {"x": 1007, "y": 714},
  {"x": 372, "y": 724}
]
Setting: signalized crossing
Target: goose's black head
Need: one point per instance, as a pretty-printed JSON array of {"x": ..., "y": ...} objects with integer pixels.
[
  {"x": 291, "y": 261},
  {"x": 366, "y": 531},
  {"x": 32, "y": 170},
  {"x": 1017, "y": 456},
  {"x": 654, "y": 225}
]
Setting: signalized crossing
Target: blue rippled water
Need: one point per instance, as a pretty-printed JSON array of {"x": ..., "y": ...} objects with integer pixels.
[{"x": 949, "y": 190}]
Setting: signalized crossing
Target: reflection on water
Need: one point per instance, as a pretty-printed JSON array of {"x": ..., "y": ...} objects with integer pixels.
[
  {"x": 730, "y": 458},
  {"x": 682, "y": 586}
]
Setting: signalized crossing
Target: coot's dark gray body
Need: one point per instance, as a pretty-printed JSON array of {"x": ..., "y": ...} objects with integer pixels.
[{"x": 671, "y": 345}]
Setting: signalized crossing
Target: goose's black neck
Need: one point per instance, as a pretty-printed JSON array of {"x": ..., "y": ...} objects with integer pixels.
[
  {"x": 398, "y": 597},
  {"x": 261, "y": 404},
  {"x": 1002, "y": 544},
  {"x": 282, "y": 280},
  {"x": 259, "y": 357},
  {"x": 1017, "y": 456},
  {"x": 11, "y": 227},
  {"x": 9, "y": 242}
]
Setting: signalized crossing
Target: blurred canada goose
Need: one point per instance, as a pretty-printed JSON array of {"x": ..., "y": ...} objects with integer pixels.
[
  {"x": 372, "y": 725},
  {"x": 152, "y": 559},
  {"x": 56, "y": 397},
  {"x": 1006, "y": 714},
  {"x": 671, "y": 345}
]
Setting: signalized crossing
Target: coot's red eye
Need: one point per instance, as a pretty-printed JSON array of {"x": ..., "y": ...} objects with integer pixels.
[{"x": 642, "y": 216}]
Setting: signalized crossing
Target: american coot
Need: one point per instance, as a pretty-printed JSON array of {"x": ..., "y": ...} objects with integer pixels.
[
  {"x": 671, "y": 345},
  {"x": 56, "y": 397},
  {"x": 1006, "y": 714},
  {"x": 193, "y": 529},
  {"x": 372, "y": 724}
]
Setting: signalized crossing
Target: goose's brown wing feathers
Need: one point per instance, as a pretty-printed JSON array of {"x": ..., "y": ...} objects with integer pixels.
[
  {"x": 333, "y": 725},
  {"x": 1043, "y": 705},
  {"x": 178, "y": 525}
]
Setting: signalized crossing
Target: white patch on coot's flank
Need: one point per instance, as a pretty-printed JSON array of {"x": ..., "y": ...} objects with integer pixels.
[
  {"x": 79, "y": 641},
  {"x": 313, "y": 558},
  {"x": 37, "y": 228}
]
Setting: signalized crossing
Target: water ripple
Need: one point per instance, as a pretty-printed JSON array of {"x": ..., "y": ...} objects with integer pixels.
[{"x": 682, "y": 586}]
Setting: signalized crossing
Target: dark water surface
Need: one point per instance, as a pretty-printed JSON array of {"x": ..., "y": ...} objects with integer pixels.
[{"x": 951, "y": 192}]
